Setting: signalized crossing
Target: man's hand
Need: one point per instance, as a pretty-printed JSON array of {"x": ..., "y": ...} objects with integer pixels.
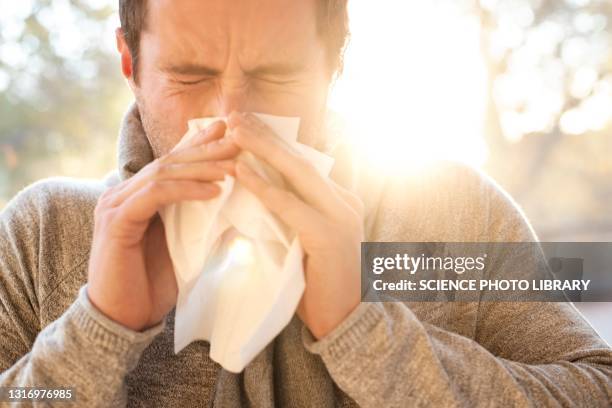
[
  {"x": 328, "y": 220},
  {"x": 131, "y": 279}
]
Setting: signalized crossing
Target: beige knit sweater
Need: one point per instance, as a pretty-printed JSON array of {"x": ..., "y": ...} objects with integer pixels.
[{"x": 382, "y": 355}]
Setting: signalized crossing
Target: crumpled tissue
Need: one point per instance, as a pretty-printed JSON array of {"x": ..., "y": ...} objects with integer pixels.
[{"x": 238, "y": 267}]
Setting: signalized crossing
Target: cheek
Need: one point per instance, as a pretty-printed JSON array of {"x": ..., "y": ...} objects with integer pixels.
[
  {"x": 167, "y": 113},
  {"x": 163, "y": 122}
]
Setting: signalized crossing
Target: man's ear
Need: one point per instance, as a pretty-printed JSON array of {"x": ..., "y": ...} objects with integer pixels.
[{"x": 127, "y": 66}]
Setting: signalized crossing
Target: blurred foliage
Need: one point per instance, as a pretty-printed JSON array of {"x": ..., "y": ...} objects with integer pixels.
[
  {"x": 548, "y": 121},
  {"x": 62, "y": 96}
]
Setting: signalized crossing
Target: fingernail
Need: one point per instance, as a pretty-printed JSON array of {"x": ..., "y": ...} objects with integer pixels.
[
  {"x": 226, "y": 138},
  {"x": 210, "y": 188},
  {"x": 248, "y": 117},
  {"x": 216, "y": 124}
]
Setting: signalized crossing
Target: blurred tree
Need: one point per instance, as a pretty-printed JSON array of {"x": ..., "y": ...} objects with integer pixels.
[
  {"x": 549, "y": 110},
  {"x": 61, "y": 93}
]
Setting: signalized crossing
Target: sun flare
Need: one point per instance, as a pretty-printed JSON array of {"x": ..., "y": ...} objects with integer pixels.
[{"x": 422, "y": 101}]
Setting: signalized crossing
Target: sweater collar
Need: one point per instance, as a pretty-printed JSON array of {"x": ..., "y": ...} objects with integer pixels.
[{"x": 133, "y": 150}]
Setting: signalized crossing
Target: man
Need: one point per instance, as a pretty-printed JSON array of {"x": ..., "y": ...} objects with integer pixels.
[{"x": 88, "y": 288}]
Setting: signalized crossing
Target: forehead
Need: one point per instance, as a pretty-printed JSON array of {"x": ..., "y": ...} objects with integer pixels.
[{"x": 214, "y": 29}]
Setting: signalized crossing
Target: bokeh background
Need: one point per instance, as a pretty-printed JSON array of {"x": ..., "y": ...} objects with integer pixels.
[{"x": 519, "y": 88}]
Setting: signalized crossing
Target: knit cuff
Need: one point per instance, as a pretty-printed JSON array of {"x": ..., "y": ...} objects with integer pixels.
[
  {"x": 349, "y": 334},
  {"x": 124, "y": 344}
]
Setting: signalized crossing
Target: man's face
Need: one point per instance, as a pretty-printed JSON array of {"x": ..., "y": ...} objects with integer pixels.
[{"x": 207, "y": 58}]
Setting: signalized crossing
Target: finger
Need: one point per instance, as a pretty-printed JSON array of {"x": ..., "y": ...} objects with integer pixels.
[
  {"x": 144, "y": 204},
  {"x": 208, "y": 144},
  {"x": 214, "y": 131},
  {"x": 349, "y": 197},
  {"x": 200, "y": 171},
  {"x": 218, "y": 149},
  {"x": 293, "y": 211},
  {"x": 250, "y": 134},
  {"x": 194, "y": 171}
]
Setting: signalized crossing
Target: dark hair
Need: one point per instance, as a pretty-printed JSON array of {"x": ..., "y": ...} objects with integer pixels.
[{"x": 332, "y": 20}]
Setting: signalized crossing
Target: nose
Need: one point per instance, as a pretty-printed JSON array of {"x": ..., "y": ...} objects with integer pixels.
[{"x": 232, "y": 95}]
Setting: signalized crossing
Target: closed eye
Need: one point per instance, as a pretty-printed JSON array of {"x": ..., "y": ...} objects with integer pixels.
[
  {"x": 178, "y": 73},
  {"x": 192, "y": 82},
  {"x": 277, "y": 81}
]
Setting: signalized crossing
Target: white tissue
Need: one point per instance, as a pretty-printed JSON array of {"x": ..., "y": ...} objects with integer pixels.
[{"x": 239, "y": 268}]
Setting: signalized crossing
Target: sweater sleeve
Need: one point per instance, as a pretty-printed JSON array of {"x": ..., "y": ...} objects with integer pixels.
[
  {"x": 82, "y": 349},
  {"x": 521, "y": 353}
]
